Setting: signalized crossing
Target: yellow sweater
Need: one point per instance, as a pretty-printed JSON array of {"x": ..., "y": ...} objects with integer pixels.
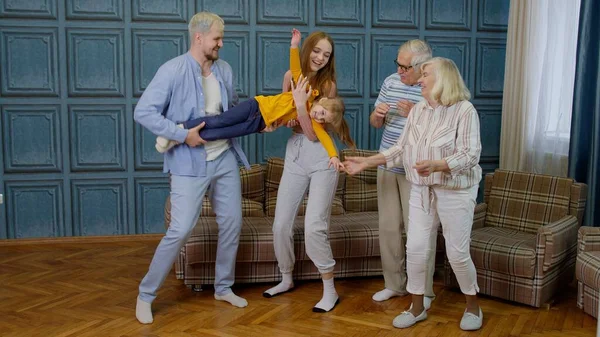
[{"x": 281, "y": 107}]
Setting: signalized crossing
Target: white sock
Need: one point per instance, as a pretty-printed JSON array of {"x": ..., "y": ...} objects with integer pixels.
[
  {"x": 143, "y": 311},
  {"x": 163, "y": 144},
  {"x": 233, "y": 299},
  {"x": 384, "y": 295},
  {"x": 330, "y": 297},
  {"x": 286, "y": 284},
  {"x": 164, "y": 148},
  {"x": 162, "y": 141}
]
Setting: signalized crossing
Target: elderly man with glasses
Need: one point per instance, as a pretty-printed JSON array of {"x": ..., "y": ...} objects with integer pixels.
[{"x": 399, "y": 92}]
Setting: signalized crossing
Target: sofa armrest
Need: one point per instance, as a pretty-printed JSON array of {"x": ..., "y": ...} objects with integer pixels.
[
  {"x": 556, "y": 239},
  {"x": 588, "y": 239},
  {"x": 479, "y": 216}
]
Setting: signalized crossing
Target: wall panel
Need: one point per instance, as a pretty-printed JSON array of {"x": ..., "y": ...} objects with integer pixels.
[
  {"x": 29, "y": 61},
  {"x": 31, "y": 9},
  {"x": 32, "y": 138},
  {"x": 35, "y": 209},
  {"x": 96, "y": 62}
]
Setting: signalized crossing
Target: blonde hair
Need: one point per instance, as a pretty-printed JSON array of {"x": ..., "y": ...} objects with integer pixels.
[
  {"x": 449, "y": 87},
  {"x": 335, "y": 105},
  {"x": 420, "y": 51},
  {"x": 201, "y": 23}
]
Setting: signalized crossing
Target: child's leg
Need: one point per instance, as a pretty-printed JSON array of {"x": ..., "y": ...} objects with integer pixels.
[
  {"x": 240, "y": 129},
  {"x": 240, "y": 113},
  {"x": 232, "y": 118}
]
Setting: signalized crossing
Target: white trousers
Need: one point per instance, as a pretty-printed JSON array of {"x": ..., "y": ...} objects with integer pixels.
[
  {"x": 454, "y": 208},
  {"x": 393, "y": 194},
  {"x": 306, "y": 167}
]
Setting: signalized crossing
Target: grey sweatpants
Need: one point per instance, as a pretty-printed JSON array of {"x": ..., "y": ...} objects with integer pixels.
[{"x": 306, "y": 167}]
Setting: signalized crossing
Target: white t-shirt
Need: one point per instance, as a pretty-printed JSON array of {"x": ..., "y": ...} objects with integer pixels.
[{"x": 212, "y": 106}]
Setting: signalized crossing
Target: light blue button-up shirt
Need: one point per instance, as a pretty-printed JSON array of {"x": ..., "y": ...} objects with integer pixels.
[{"x": 174, "y": 96}]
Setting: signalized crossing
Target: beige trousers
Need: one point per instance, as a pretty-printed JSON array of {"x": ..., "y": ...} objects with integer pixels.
[{"x": 393, "y": 193}]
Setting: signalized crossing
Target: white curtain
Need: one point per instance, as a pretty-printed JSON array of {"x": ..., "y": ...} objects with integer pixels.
[{"x": 538, "y": 85}]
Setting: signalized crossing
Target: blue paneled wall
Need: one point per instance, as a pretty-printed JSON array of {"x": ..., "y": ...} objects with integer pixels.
[{"x": 75, "y": 163}]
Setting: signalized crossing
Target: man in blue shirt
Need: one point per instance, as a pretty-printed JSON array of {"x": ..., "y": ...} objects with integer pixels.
[{"x": 189, "y": 86}]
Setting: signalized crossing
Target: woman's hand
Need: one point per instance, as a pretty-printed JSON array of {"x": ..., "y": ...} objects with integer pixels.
[
  {"x": 426, "y": 167},
  {"x": 300, "y": 93},
  {"x": 271, "y": 127},
  {"x": 336, "y": 163},
  {"x": 292, "y": 123},
  {"x": 355, "y": 165}
]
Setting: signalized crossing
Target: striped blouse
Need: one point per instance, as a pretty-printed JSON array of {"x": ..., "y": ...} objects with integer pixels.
[{"x": 446, "y": 132}]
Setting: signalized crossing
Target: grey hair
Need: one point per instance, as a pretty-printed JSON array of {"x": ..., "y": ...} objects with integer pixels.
[
  {"x": 420, "y": 50},
  {"x": 201, "y": 23}
]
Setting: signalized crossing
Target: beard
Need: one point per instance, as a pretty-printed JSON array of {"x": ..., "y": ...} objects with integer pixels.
[{"x": 213, "y": 55}]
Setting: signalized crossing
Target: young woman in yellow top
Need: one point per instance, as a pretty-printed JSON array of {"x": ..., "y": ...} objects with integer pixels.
[{"x": 254, "y": 115}]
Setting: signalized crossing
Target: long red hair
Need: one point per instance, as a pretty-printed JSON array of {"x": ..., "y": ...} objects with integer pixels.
[{"x": 324, "y": 79}]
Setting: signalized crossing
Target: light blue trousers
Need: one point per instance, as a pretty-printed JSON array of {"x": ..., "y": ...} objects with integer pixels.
[{"x": 222, "y": 181}]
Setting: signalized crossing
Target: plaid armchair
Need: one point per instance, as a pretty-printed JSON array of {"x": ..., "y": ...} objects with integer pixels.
[
  {"x": 524, "y": 238},
  {"x": 588, "y": 269}
]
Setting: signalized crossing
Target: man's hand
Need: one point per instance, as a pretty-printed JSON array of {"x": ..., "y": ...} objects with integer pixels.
[
  {"x": 381, "y": 110},
  {"x": 404, "y": 107},
  {"x": 355, "y": 165},
  {"x": 336, "y": 164},
  {"x": 295, "y": 38},
  {"x": 193, "y": 138}
]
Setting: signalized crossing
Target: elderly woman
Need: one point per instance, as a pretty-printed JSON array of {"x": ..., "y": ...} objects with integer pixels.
[{"x": 440, "y": 150}]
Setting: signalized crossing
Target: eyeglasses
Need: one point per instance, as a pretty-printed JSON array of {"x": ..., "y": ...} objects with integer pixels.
[{"x": 402, "y": 67}]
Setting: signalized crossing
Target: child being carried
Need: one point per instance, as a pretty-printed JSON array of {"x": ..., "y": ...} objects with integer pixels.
[{"x": 260, "y": 112}]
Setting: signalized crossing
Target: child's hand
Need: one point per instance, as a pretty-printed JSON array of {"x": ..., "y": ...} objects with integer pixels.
[
  {"x": 299, "y": 91},
  {"x": 336, "y": 164},
  {"x": 296, "y": 35}
]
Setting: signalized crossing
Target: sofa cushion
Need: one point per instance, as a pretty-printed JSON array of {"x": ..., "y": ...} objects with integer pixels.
[
  {"x": 513, "y": 251},
  {"x": 253, "y": 195},
  {"x": 253, "y": 183},
  {"x": 351, "y": 235},
  {"x": 525, "y": 201},
  {"x": 361, "y": 189},
  {"x": 588, "y": 269},
  {"x": 273, "y": 177}
]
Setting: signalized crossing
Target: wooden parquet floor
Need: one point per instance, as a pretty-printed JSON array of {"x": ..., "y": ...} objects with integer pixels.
[{"x": 88, "y": 287}]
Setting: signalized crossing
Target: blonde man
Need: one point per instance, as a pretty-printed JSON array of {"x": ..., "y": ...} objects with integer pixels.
[
  {"x": 189, "y": 86},
  {"x": 440, "y": 151},
  {"x": 399, "y": 93}
]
